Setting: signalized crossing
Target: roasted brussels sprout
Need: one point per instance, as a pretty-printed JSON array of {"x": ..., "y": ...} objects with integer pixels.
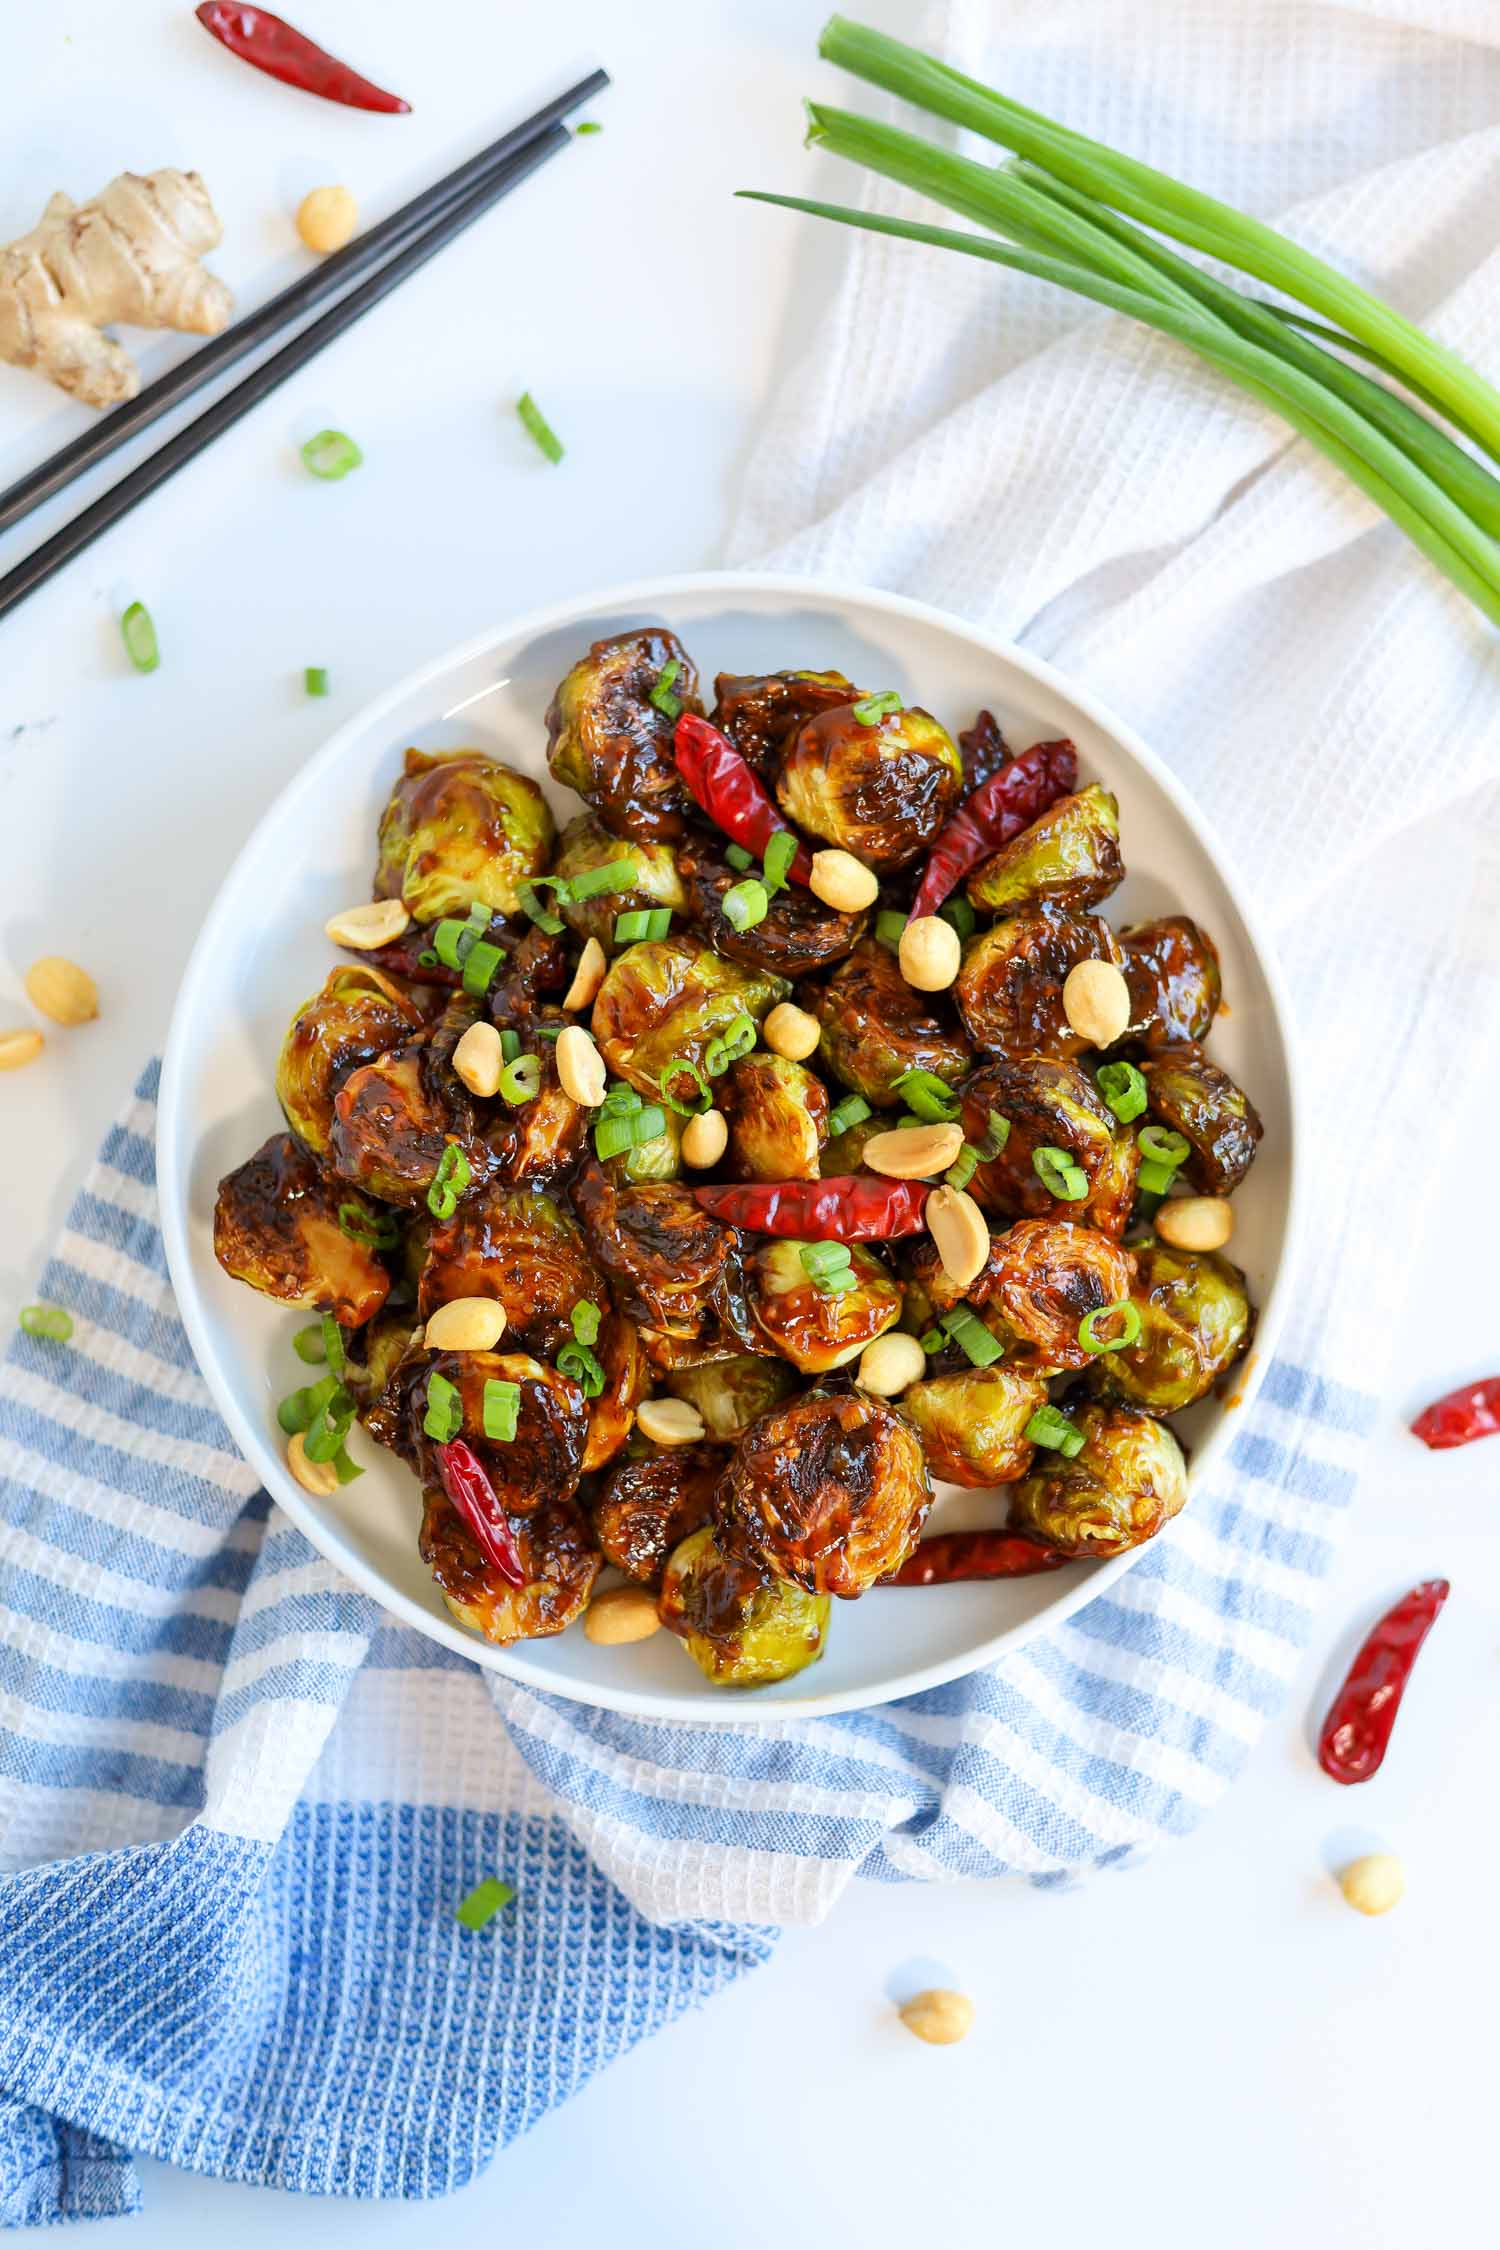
[
  {"x": 798, "y": 935},
  {"x": 875, "y": 1027},
  {"x": 608, "y": 740},
  {"x": 730, "y": 1393},
  {"x": 587, "y": 844},
  {"x": 393, "y": 1119},
  {"x": 1117, "y": 1493},
  {"x": 778, "y": 1118},
  {"x": 1172, "y": 970},
  {"x": 358, "y": 1015},
  {"x": 557, "y": 1554},
  {"x": 276, "y": 1226},
  {"x": 1010, "y": 988},
  {"x": 526, "y": 1251},
  {"x": 1070, "y": 855},
  {"x": 760, "y": 713},
  {"x": 664, "y": 1255},
  {"x": 814, "y": 1330},
  {"x": 1195, "y": 1323},
  {"x": 973, "y": 1424},
  {"x": 373, "y": 1354},
  {"x": 461, "y": 827},
  {"x": 829, "y": 1490},
  {"x": 646, "y": 1508},
  {"x": 533, "y": 1143},
  {"x": 669, "y": 998},
  {"x": 537, "y": 966},
  {"x": 845, "y": 1153},
  {"x": 659, "y": 1158},
  {"x": 1048, "y": 1277},
  {"x": 741, "y": 1629},
  {"x": 1192, "y": 1096},
  {"x": 1048, "y": 1103},
  {"x": 626, "y": 1379},
  {"x": 544, "y": 1460},
  {"x": 881, "y": 791}
]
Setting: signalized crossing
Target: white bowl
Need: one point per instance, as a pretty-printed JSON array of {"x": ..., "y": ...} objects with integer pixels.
[{"x": 262, "y": 951}]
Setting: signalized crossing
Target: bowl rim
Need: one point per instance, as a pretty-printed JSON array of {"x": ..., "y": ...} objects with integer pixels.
[{"x": 174, "y": 1151}]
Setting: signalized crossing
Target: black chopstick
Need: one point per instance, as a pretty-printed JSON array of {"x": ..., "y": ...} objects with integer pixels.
[
  {"x": 199, "y": 435},
  {"x": 200, "y": 367}
]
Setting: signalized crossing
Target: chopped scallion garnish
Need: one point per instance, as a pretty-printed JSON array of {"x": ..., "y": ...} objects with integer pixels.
[
  {"x": 448, "y": 1181},
  {"x": 588, "y": 126},
  {"x": 725, "y": 1048},
  {"x": 331, "y": 455},
  {"x": 480, "y": 963},
  {"x": 501, "y": 1410},
  {"x": 963, "y": 1167},
  {"x": 683, "y": 1066},
  {"x": 619, "y": 1100},
  {"x": 585, "y": 1318},
  {"x": 961, "y": 914},
  {"x": 1125, "y": 1319},
  {"x": 871, "y": 709},
  {"x": 781, "y": 850},
  {"x": 139, "y": 635},
  {"x": 889, "y": 927},
  {"x": 926, "y": 1094},
  {"x": 612, "y": 1137},
  {"x": 308, "y": 1344},
  {"x": 615, "y": 875},
  {"x": 534, "y": 907},
  {"x": 444, "y": 1417},
  {"x": 1059, "y": 1175},
  {"x": 995, "y": 1139},
  {"x": 298, "y": 1410},
  {"x": 852, "y": 1110},
  {"x": 1161, "y": 1146},
  {"x": 739, "y": 859},
  {"x": 578, "y": 1363},
  {"x": 537, "y": 427},
  {"x": 661, "y": 695},
  {"x": 829, "y": 1266},
  {"x": 973, "y": 1339},
  {"x": 324, "y": 1437},
  {"x": 376, "y": 1230},
  {"x": 1055, "y": 1432},
  {"x": 49, "y": 1321},
  {"x": 486, "y": 1899},
  {"x": 521, "y": 1080},
  {"x": 745, "y": 903},
  {"x": 332, "y": 1338},
  {"x": 643, "y": 925},
  {"x": 510, "y": 1045},
  {"x": 1124, "y": 1090},
  {"x": 315, "y": 679}
]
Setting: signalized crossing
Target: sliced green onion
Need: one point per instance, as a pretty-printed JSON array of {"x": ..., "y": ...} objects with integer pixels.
[
  {"x": 49, "y": 1321},
  {"x": 427, "y": 959},
  {"x": 298, "y": 1410},
  {"x": 486, "y": 1899},
  {"x": 309, "y": 1346},
  {"x": 1123, "y": 1088},
  {"x": 533, "y": 906},
  {"x": 1155, "y": 1179},
  {"x": 739, "y": 859},
  {"x": 345, "y": 1469},
  {"x": 444, "y": 1417},
  {"x": 448, "y": 1182},
  {"x": 619, "y": 1100},
  {"x": 963, "y": 1167},
  {"x": 781, "y": 850},
  {"x": 890, "y": 927},
  {"x": 1053, "y": 1430},
  {"x": 375, "y": 1230},
  {"x": 326, "y": 1432},
  {"x": 995, "y": 1139},
  {"x": 973, "y": 1339},
  {"x": 537, "y": 427},
  {"x": 852, "y": 1110},
  {"x": 1059, "y": 1175},
  {"x": 614, "y": 875},
  {"x": 643, "y": 924},
  {"x": 924, "y": 1092},
  {"x": 684, "y": 1066},
  {"x": 510, "y": 1045},
  {"x": 1163, "y": 1146},
  {"x": 521, "y": 1080},
  {"x": 585, "y": 1318},
  {"x": 578, "y": 1362},
  {"x": 612, "y": 1136},
  {"x": 453, "y": 940},
  {"x": 501, "y": 1410},
  {"x": 932, "y": 1340},
  {"x": 737, "y": 1039},
  {"x": 480, "y": 963},
  {"x": 1127, "y": 1314},
  {"x": 333, "y": 1343},
  {"x": 871, "y": 709},
  {"x": 829, "y": 1266},
  {"x": 588, "y": 126},
  {"x": 961, "y": 914},
  {"x": 661, "y": 695},
  {"x": 331, "y": 455},
  {"x": 139, "y": 635},
  {"x": 648, "y": 1123},
  {"x": 315, "y": 680},
  {"x": 745, "y": 903}
]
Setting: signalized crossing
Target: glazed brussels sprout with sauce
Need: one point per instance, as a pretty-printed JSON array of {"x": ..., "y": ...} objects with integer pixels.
[
  {"x": 829, "y": 1490},
  {"x": 875, "y": 1027},
  {"x": 878, "y": 786},
  {"x": 1049, "y": 1278},
  {"x": 1172, "y": 970},
  {"x": 797, "y": 935},
  {"x": 393, "y": 1121},
  {"x": 1070, "y": 856},
  {"x": 1010, "y": 988},
  {"x": 778, "y": 1119},
  {"x": 607, "y": 739},
  {"x": 357, "y": 1017},
  {"x": 972, "y": 1423},
  {"x": 461, "y": 827},
  {"x": 762, "y": 712},
  {"x": 731, "y": 1393},
  {"x": 741, "y": 1628},
  {"x": 543, "y": 1461},
  {"x": 557, "y": 1554},
  {"x": 277, "y": 1226},
  {"x": 664, "y": 1256},
  {"x": 585, "y": 848},
  {"x": 668, "y": 999},
  {"x": 1193, "y": 1097},
  {"x": 816, "y": 1328},
  {"x": 646, "y": 1508},
  {"x": 521, "y": 1247},
  {"x": 1045, "y": 1103},
  {"x": 1195, "y": 1323},
  {"x": 1129, "y": 1480}
]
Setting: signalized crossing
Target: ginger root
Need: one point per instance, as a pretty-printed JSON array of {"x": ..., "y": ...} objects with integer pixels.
[{"x": 132, "y": 255}]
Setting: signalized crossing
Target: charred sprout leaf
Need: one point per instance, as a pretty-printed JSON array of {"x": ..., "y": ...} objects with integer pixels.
[
  {"x": 778, "y": 1118},
  {"x": 741, "y": 1629},
  {"x": 732, "y": 1393},
  {"x": 588, "y": 852},
  {"x": 610, "y": 742},
  {"x": 670, "y": 998},
  {"x": 395, "y": 1119},
  {"x": 645, "y": 1508},
  {"x": 972, "y": 1423},
  {"x": 1071, "y": 855},
  {"x": 881, "y": 791},
  {"x": 1172, "y": 970},
  {"x": 1195, "y": 1323},
  {"x": 460, "y": 828},
  {"x": 1047, "y": 1103},
  {"x": 1127, "y": 1481},
  {"x": 276, "y": 1227},
  {"x": 1192, "y": 1096},
  {"x": 1010, "y": 987},
  {"x": 829, "y": 1490},
  {"x": 875, "y": 1027},
  {"x": 662, "y": 1252},
  {"x": 356, "y": 1017},
  {"x": 557, "y": 1554},
  {"x": 814, "y": 1328}
]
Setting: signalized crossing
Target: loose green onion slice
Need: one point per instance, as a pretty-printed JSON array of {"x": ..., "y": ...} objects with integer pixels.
[
  {"x": 480, "y": 964},
  {"x": 585, "y": 1318},
  {"x": 1053, "y": 1430},
  {"x": 973, "y": 1339},
  {"x": 739, "y": 859},
  {"x": 871, "y": 709},
  {"x": 1103, "y": 1316},
  {"x": 49, "y": 1321},
  {"x": 501, "y": 1410},
  {"x": 1154, "y": 1179},
  {"x": 588, "y": 126},
  {"x": 1059, "y": 1175},
  {"x": 1123, "y": 1088},
  {"x": 619, "y": 1100},
  {"x": 533, "y": 906},
  {"x": 924, "y": 1092},
  {"x": 612, "y": 1136},
  {"x": 737, "y": 1039},
  {"x": 578, "y": 1362},
  {"x": 889, "y": 926},
  {"x": 331, "y": 455},
  {"x": 852, "y": 1110},
  {"x": 374, "y": 1229},
  {"x": 615, "y": 875},
  {"x": 932, "y": 1340},
  {"x": 1163, "y": 1147},
  {"x": 448, "y": 1182},
  {"x": 453, "y": 940},
  {"x": 309, "y": 1346},
  {"x": 444, "y": 1417},
  {"x": 780, "y": 852},
  {"x": 521, "y": 1080},
  {"x": 315, "y": 680},
  {"x": 333, "y": 1343},
  {"x": 345, "y": 1469},
  {"x": 623, "y": 1129},
  {"x": 486, "y": 1899},
  {"x": 427, "y": 959},
  {"x": 683, "y": 1066},
  {"x": 648, "y": 1123},
  {"x": 829, "y": 1266},
  {"x": 643, "y": 924},
  {"x": 963, "y": 1167},
  {"x": 961, "y": 914},
  {"x": 139, "y": 635},
  {"x": 995, "y": 1139},
  {"x": 298, "y": 1410},
  {"x": 510, "y": 1045},
  {"x": 537, "y": 427},
  {"x": 326, "y": 1432},
  {"x": 661, "y": 695},
  {"x": 745, "y": 903}
]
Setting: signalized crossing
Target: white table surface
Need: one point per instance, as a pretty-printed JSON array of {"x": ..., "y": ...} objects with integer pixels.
[{"x": 1209, "y": 2049}]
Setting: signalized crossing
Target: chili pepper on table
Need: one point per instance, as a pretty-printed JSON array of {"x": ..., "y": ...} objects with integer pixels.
[
  {"x": 1461, "y": 1416},
  {"x": 734, "y": 797},
  {"x": 950, "y": 1556},
  {"x": 276, "y": 47},
  {"x": 475, "y": 1498},
  {"x": 997, "y": 810},
  {"x": 1362, "y": 1714},
  {"x": 848, "y": 1207}
]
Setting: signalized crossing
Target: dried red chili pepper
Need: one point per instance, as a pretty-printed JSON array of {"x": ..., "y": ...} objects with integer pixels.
[
  {"x": 730, "y": 792},
  {"x": 848, "y": 1207},
  {"x": 949, "y": 1556},
  {"x": 984, "y": 750},
  {"x": 470, "y": 1490},
  {"x": 1461, "y": 1416},
  {"x": 998, "y": 809},
  {"x": 281, "y": 51},
  {"x": 1358, "y": 1726}
]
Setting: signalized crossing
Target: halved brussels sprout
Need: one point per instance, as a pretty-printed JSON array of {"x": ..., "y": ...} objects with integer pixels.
[
  {"x": 1194, "y": 1097},
  {"x": 646, "y": 1508},
  {"x": 731, "y": 1393},
  {"x": 534, "y": 1142},
  {"x": 1195, "y": 1323},
  {"x": 659, "y": 1158},
  {"x": 761, "y": 713},
  {"x": 875, "y": 1027},
  {"x": 1070, "y": 855},
  {"x": 626, "y": 1379},
  {"x": 1172, "y": 970},
  {"x": 276, "y": 1226},
  {"x": 778, "y": 1118},
  {"x": 668, "y": 998},
  {"x": 393, "y": 1119},
  {"x": 1048, "y": 1103},
  {"x": 798, "y": 935},
  {"x": 972, "y": 1424},
  {"x": 880, "y": 791},
  {"x": 461, "y": 827},
  {"x": 557, "y": 1555},
  {"x": 1010, "y": 987},
  {"x": 663, "y": 1253},
  {"x": 829, "y": 1490},
  {"x": 1117, "y": 1493},
  {"x": 545, "y": 1458},
  {"x": 1048, "y": 1277},
  {"x": 814, "y": 1330},
  {"x": 358, "y": 1015},
  {"x": 526, "y": 1251},
  {"x": 610, "y": 742},
  {"x": 741, "y": 1630},
  {"x": 587, "y": 844}
]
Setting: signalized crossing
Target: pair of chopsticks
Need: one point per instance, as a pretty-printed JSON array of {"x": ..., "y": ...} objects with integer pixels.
[{"x": 379, "y": 261}]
